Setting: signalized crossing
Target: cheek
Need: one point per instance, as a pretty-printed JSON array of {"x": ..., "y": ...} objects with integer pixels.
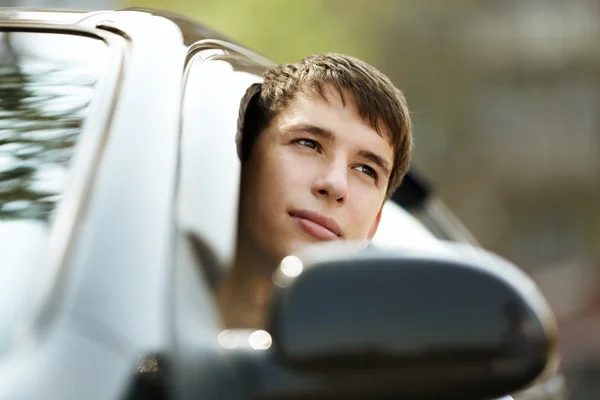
[
  {"x": 274, "y": 176},
  {"x": 289, "y": 173},
  {"x": 362, "y": 211}
]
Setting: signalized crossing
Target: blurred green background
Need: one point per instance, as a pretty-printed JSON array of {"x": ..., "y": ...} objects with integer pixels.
[{"x": 505, "y": 98}]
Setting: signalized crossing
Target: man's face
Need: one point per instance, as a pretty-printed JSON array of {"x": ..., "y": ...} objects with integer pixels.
[{"x": 317, "y": 173}]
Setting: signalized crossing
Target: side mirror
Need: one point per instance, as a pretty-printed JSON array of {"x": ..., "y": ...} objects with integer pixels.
[{"x": 459, "y": 323}]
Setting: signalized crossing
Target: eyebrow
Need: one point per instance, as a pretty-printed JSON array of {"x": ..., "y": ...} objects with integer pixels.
[
  {"x": 375, "y": 159},
  {"x": 328, "y": 135},
  {"x": 319, "y": 131}
]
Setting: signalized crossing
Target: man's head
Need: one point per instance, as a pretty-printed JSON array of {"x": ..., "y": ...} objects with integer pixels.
[{"x": 324, "y": 142}]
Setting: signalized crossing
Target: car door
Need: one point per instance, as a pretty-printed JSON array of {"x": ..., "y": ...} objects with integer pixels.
[
  {"x": 97, "y": 295},
  {"x": 55, "y": 79}
]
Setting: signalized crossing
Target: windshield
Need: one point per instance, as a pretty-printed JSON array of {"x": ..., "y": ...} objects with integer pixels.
[{"x": 46, "y": 83}]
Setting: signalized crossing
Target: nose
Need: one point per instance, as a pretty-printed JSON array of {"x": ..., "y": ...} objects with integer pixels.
[{"x": 332, "y": 183}]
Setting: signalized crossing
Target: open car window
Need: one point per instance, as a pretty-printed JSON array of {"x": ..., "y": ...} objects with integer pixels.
[{"x": 46, "y": 83}]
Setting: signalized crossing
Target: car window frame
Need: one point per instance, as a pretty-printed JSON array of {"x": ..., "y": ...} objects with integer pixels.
[
  {"x": 211, "y": 259},
  {"x": 70, "y": 211}
]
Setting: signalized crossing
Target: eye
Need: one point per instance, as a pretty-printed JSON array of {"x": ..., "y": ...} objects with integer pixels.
[
  {"x": 308, "y": 143},
  {"x": 365, "y": 169}
]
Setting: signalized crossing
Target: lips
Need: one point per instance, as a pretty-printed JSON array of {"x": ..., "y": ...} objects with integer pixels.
[{"x": 317, "y": 225}]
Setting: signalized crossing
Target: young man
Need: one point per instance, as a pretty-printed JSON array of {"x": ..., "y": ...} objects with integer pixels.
[{"x": 323, "y": 143}]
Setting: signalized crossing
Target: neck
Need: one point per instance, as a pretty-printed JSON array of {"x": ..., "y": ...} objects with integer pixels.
[{"x": 244, "y": 295}]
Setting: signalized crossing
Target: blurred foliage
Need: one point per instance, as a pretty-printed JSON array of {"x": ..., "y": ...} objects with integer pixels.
[{"x": 286, "y": 31}]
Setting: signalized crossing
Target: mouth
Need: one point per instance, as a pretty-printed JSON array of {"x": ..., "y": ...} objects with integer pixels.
[{"x": 317, "y": 225}]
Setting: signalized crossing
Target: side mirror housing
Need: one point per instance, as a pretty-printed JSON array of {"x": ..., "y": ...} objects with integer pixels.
[{"x": 461, "y": 323}]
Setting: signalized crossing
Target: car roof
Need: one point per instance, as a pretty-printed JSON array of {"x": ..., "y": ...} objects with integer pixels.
[
  {"x": 192, "y": 30},
  {"x": 70, "y": 17}
]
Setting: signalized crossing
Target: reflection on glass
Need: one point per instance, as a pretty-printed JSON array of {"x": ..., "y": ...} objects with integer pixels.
[
  {"x": 42, "y": 106},
  {"x": 46, "y": 84}
]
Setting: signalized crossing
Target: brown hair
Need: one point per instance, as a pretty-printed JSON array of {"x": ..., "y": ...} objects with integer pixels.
[{"x": 377, "y": 99}]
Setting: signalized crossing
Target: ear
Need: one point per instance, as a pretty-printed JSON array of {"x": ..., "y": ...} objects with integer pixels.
[{"x": 375, "y": 225}]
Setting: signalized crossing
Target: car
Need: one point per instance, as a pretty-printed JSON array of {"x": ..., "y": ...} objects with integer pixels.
[{"x": 119, "y": 185}]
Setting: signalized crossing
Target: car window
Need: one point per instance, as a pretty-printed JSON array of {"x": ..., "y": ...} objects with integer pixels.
[
  {"x": 210, "y": 168},
  {"x": 46, "y": 83}
]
